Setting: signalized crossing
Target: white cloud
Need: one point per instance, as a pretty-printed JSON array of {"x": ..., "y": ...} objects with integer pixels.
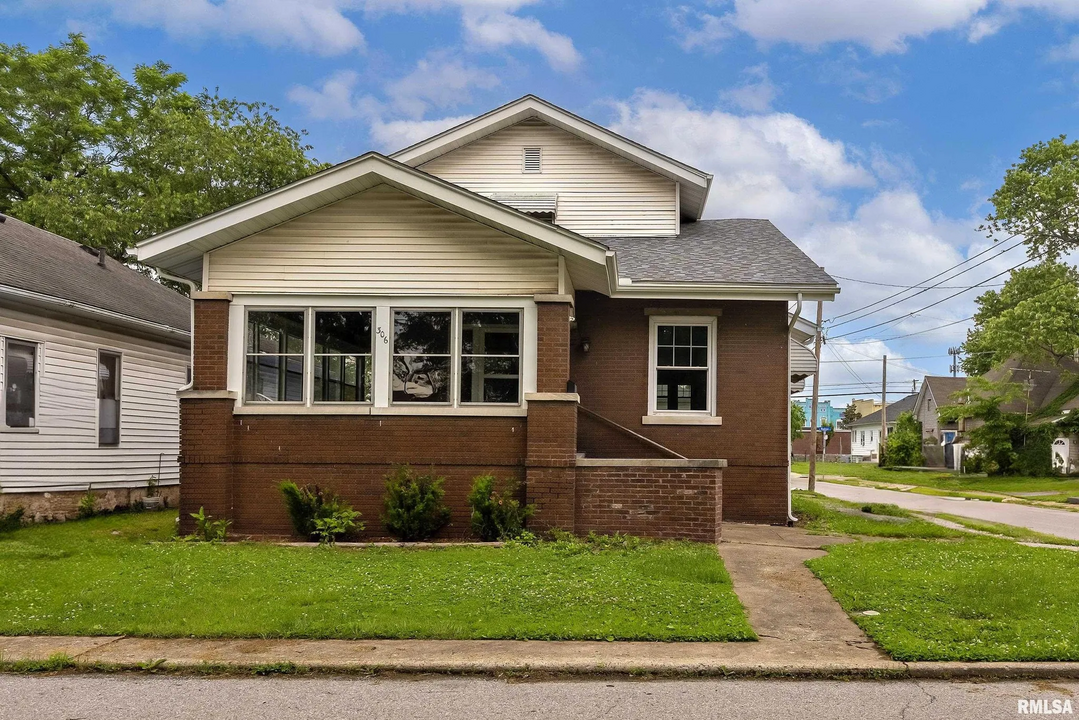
[
  {"x": 393, "y": 135},
  {"x": 318, "y": 26},
  {"x": 487, "y": 30},
  {"x": 700, "y": 30},
  {"x": 438, "y": 81},
  {"x": 1068, "y": 52},
  {"x": 756, "y": 93},
  {"x": 334, "y": 99}
]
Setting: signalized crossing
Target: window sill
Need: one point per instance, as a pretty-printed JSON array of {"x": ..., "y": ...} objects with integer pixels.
[
  {"x": 19, "y": 430},
  {"x": 392, "y": 411},
  {"x": 681, "y": 420}
]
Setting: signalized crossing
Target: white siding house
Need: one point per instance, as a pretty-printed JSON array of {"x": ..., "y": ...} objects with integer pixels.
[{"x": 92, "y": 354}]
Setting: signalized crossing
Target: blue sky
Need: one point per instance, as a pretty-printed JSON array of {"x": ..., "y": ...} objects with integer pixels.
[{"x": 870, "y": 131}]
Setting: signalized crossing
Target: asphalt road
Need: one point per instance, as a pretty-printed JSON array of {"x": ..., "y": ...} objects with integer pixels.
[
  {"x": 1062, "y": 523},
  {"x": 135, "y": 697}
]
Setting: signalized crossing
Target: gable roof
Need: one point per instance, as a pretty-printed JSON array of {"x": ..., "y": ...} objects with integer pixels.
[
  {"x": 37, "y": 265},
  {"x": 894, "y": 410},
  {"x": 1052, "y": 389},
  {"x": 942, "y": 387},
  {"x": 741, "y": 252},
  {"x": 693, "y": 183}
]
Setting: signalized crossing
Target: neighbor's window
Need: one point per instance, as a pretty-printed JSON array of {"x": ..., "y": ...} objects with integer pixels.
[
  {"x": 422, "y": 356},
  {"x": 342, "y": 360},
  {"x": 20, "y": 384},
  {"x": 275, "y": 356},
  {"x": 490, "y": 357},
  {"x": 683, "y": 365},
  {"x": 108, "y": 398}
]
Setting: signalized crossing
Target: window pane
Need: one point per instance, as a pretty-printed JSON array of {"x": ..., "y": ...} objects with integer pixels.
[
  {"x": 491, "y": 333},
  {"x": 700, "y": 356},
  {"x": 345, "y": 333},
  {"x": 275, "y": 332},
  {"x": 682, "y": 390},
  {"x": 421, "y": 378},
  {"x": 108, "y": 396},
  {"x": 20, "y": 368},
  {"x": 665, "y": 334},
  {"x": 665, "y": 357},
  {"x": 421, "y": 332},
  {"x": 681, "y": 335},
  {"x": 681, "y": 356},
  {"x": 490, "y": 380},
  {"x": 342, "y": 378},
  {"x": 700, "y": 336},
  {"x": 274, "y": 378}
]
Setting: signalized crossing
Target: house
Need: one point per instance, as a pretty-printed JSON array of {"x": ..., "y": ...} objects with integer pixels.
[
  {"x": 865, "y": 432},
  {"x": 91, "y": 356},
  {"x": 865, "y": 406},
  {"x": 935, "y": 392},
  {"x": 525, "y": 294},
  {"x": 826, "y": 414},
  {"x": 829, "y": 443}
]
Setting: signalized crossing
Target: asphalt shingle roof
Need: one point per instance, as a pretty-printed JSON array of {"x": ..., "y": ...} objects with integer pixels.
[
  {"x": 894, "y": 410},
  {"x": 944, "y": 386},
  {"x": 38, "y": 261},
  {"x": 718, "y": 251}
]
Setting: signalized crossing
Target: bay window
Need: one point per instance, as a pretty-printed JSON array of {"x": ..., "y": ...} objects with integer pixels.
[{"x": 682, "y": 372}]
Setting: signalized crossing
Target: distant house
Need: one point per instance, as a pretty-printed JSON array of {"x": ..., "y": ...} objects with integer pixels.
[
  {"x": 826, "y": 414},
  {"x": 865, "y": 406},
  {"x": 865, "y": 432},
  {"x": 935, "y": 392},
  {"x": 91, "y": 356}
]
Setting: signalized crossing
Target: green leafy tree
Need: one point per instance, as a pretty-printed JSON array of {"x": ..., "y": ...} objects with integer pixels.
[
  {"x": 1038, "y": 199},
  {"x": 108, "y": 161},
  {"x": 798, "y": 420},
  {"x": 903, "y": 446},
  {"x": 1035, "y": 315},
  {"x": 995, "y": 438},
  {"x": 850, "y": 414}
]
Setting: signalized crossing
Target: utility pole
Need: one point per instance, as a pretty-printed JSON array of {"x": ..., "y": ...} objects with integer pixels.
[
  {"x": 914, "y": 385},
  {"x": 954, "y": 352},
  {"x": 816, "y": 393},
  {"x": 883, "y": 409}
]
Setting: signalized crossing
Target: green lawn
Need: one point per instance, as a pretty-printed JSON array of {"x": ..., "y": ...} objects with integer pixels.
[
  {"x": 1063, "y": 486},
  {"x": 975, "y": 599},
  {"x": 820, "y": 514},
  {"x": 121, "y": 574}
]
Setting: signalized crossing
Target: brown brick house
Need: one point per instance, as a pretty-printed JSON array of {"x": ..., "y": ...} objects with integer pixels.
[{"x": 526, "y": 294}]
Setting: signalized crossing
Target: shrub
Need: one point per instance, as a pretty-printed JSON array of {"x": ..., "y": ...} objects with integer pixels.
[
  {"x": 310, "y": 503},
  {"x": 340, "y": 522},
  {"x": 87, "y": 505},
  {"x": 497, "y": 515},
  {"x": 209, "y": 530},
  {"x": 12, "y": 520},
  {"x": 903, "y": 447},
  {"x": 414, "y": 506}
]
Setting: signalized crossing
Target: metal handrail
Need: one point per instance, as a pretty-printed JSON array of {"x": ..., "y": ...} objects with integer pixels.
[{"x": 647, "y": 441}]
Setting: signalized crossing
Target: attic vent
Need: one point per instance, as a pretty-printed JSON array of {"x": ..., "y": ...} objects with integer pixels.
[{"x": 532, "y": 157}]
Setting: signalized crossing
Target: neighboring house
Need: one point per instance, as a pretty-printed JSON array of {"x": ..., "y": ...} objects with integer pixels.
[
  {"x": 826, "y": 414},
  {"x": 865, "y": 407},
  {"x": 91, "y": 356},
  {"x": 834, "y": 442},
  {"x": 865, "y": 432},
  {"x": 935, "y": 392},
  {"x": 525, "y": 294}
]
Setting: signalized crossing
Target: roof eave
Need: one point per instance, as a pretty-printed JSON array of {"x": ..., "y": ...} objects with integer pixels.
[{"x": 724, "y": 291}]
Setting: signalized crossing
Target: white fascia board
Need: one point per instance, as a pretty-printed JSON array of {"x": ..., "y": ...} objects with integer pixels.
[
  {"x": 532, "y": 106},
  {"x": 346, "y": 179},
  {"x": 722, "y": 291}
]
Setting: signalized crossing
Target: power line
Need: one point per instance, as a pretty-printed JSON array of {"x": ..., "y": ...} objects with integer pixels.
[
  {"x": 905, "y": 287},
  {"x": 899, "y": 337},
  {"x": 845, "y": 365}
]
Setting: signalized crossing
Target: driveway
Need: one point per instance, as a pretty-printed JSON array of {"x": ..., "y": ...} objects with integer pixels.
[{"x": 1061, "y": 523}]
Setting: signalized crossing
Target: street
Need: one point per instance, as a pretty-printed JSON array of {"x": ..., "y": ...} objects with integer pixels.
[
  {"x": 1062, "y": 523},
  {"x": 138, "y": 697}
]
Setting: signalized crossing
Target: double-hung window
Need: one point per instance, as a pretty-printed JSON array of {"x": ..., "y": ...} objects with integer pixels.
[
  {"x": 682, "y": 376},
  {"x": 490, "y": 357},
  {"x": 422, "y": 356},
  {"x": 275, "y": 356},
  {"x": 342, "y": 364},
  {"x": 20, "y": 384}
]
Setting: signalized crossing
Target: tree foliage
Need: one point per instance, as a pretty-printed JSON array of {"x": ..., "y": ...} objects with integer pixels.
[
  {"x": 995, "y": 438},
  {"x": 1035, "y": 315},
  {"x": 903, "y": 447},
  {"x": 850, "y": 414},
  {"x": 798, "y": 420},
  {"x": 1038, "y": 200},
  {"x": 107, "y": 161}
]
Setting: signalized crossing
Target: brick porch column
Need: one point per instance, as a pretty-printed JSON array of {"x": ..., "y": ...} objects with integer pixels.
[
  {"x": 550, "y": 464},
  {"x": 206, "y": 425}
]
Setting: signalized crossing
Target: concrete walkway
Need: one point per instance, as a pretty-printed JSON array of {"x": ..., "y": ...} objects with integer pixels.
[
  {"x": 1062, "y": 523},
  {"x": 803, "y": 633}
]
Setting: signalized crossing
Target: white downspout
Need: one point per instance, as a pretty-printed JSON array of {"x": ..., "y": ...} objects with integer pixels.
[
  {"x": 192, "y": 288},
  {"x": 790, "y": 449}
]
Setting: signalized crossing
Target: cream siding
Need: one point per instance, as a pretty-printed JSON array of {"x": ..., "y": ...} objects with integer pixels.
[
  {"x": 382, "y": 242},
  {"x": 63, "y": 453},
  {"x": 599, "y": 193}
]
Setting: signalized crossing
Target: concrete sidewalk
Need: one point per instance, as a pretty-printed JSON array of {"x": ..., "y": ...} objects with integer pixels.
[{"x": 803, "y": 633}]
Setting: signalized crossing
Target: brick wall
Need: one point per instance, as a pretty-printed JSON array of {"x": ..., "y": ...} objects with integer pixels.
[
  {"x": 663, "y": 502},
  {"x": 210, "y": 364},
  {"x": 752, "y": 390}
]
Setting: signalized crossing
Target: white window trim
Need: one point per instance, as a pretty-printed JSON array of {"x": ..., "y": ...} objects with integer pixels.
[
  {"x": 39, "y": 365},
  {"x": 120, "y": 400},
  {"x": 383, "y": 307},
  {"x": 682, "y": 417}
]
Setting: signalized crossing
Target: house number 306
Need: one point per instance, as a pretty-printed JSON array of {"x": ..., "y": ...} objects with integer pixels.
[{"x": 380, "y": 332}]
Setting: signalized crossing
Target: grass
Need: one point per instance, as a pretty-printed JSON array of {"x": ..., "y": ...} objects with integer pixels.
[
  {"x": 1021, "y": 534},
  {"x": 977, "y": 599},
  {"x": 120, "y": 574},
  {"x": 1064, "y": 487},
  {"x": 824, "y": 515}
]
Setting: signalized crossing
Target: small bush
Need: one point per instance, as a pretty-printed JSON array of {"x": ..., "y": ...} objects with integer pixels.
[
  {"x": 12, "y": 521},
  {"x": 414, "y": 506},
  {"x": 341, "y": 521},
  {"x": 87, "y": 505},
  {"x": 497, "y": 515},
  {"x": 309, "y": 504},
  {"x": 209, "y": 530}
]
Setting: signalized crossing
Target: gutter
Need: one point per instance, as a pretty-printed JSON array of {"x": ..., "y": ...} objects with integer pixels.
[
  {"x": 790, "y": 448},
  {"x": 192, "y": 288}
]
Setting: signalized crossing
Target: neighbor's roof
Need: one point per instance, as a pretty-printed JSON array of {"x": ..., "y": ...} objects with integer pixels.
[
  {"x": 37, "y": 263},
  {"x": 713, "y": 251},
  {"x": 1051, "y": 390},
  {"x": 944, "y": 386},
  {"x": 894, "y": 411},
  {"x": 693, "y": 183}
]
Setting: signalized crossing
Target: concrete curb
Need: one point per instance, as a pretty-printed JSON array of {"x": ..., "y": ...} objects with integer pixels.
[{"x": 765, "y": 659}]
